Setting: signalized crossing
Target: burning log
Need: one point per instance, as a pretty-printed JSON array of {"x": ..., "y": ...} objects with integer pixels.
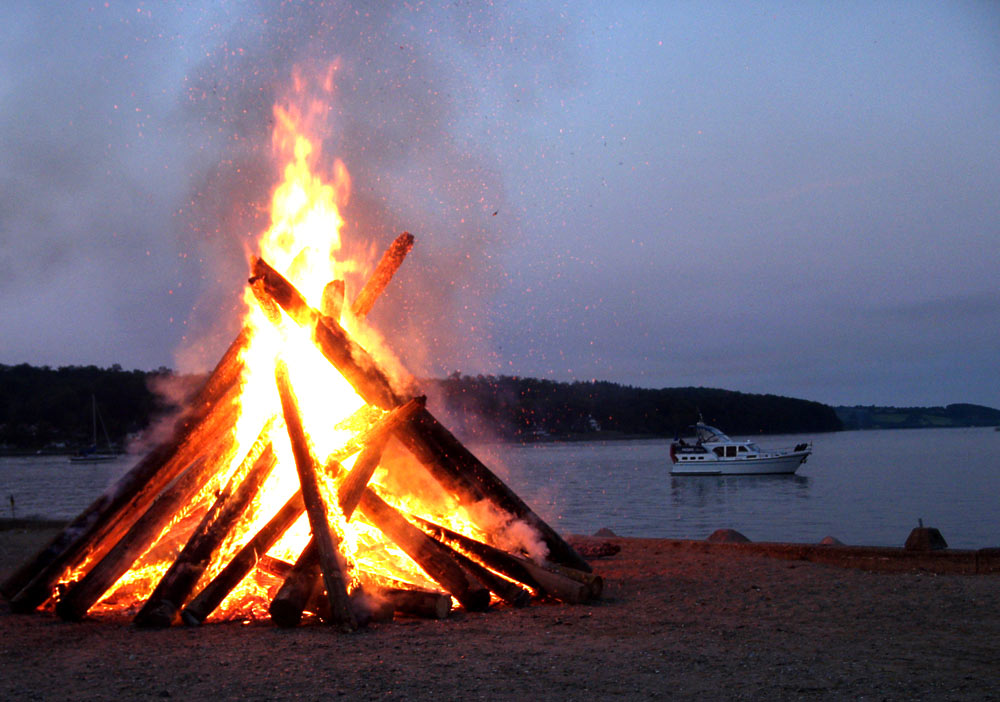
[
  {"x": 384, "y": 427},
  {"x": 426, "y": 432},
  {"x": 81, "y": 596},
  {"x": 302, "y": 582},
  {"x": 578, "y": 588},
  {"x": 333, "y": 299},
  {"x": 410, "y": 600},
  {"x": 452, "y": 464},
  {"x": 357, "y": 366},
  {"x": 301, "y": 585},
  {"x": 509, "y": 592},
  {"x": 198, "y": 610},
  {"x": 330, "y": 559},
  {"x": 99, "y": 526},
  {"x": 432, "y": 556},
  {"x": 391, "y": 260},
  {"x": 163, "y": 605}
]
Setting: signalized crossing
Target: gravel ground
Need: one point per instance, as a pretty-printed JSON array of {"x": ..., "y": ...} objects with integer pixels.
[{"x": 673, "y": 624}]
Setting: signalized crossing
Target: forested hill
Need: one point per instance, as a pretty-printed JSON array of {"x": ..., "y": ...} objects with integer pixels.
[
  {"x": 50, "y": 409},
  {"x": 957, "y": 415},
  {"x": 528, "y": 408}
]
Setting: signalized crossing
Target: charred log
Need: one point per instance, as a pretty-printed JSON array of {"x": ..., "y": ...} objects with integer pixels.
[
  {"x": 426, "y": 604},
  {"x": 431, "y": 556}
]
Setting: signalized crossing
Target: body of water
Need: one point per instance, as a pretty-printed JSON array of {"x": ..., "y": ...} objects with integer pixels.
[
  {"x": 867, "y": 488},
  {"x": 863, "y": 487}
]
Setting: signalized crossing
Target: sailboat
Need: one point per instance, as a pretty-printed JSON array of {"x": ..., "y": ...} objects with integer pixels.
[{"x": 91, "y": 454}]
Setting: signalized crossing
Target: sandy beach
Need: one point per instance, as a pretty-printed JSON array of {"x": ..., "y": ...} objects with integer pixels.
[{"x": 673, "y": 623}]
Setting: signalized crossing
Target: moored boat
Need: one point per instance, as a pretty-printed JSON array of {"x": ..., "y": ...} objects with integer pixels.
[
  {"x": 93, "y": 454},
  {"x": 714, "y": 453}
]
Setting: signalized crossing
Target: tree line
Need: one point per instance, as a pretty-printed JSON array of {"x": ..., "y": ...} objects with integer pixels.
[
  {"x": 43, "y": 408},
  {"x": 528, "y": 408}
]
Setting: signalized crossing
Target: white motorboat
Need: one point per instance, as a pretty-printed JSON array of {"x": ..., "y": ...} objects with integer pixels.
[{"x": 714, "y": 453}]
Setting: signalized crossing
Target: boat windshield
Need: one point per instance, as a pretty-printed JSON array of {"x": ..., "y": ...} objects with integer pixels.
[{"x": 706, "y": 433}]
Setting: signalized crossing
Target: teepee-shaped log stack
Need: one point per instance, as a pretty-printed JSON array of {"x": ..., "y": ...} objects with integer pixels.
[{"x": 103, "y": 543}]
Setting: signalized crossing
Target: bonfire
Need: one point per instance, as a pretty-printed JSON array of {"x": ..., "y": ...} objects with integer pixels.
[{"x": 308, "y": 479}]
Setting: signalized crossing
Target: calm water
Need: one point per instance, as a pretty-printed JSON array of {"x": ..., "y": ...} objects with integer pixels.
[{"x": 862, "y": 487}]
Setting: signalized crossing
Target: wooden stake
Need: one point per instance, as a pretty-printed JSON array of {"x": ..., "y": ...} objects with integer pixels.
[
  {"x": 391, "y": 260},
  {"x": 329, "y": 558}
]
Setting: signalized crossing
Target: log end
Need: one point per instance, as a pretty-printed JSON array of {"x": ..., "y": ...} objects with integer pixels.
[
  {"x": 156, "y": 615},
  {"x": 596, "y": 587},
  {"x": 68, "y": 611},
  {"x": 522, "y": 599},
  {"x": 475, "y": 600},
  {"x": 284, "y": 613}
]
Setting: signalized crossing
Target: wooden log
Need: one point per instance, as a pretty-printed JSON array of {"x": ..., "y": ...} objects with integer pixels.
[
  {"x": 175, "y": 587},
  {"x": 354, "y": 484},
  {"x": 274, "y": 566},
  {"x": 430, "y": 555},
  {"x": 330, "y": 560},
  {"x": 594, "y": 582},
  {"x": 454, "y": 466},
  {"x": 428, "y": 430},
  {"x": 426, "y": 604},
  {"x": 387, "y": 425},
  {"x": 333, "y": 299},
  {"x": 198, "y": 610},
  {"x": 301, "y": 585},
  {"x": 509, "y": 592},
  {"x": 97, "y": 528},
  {"x": 369, "y": 608},
  {"x": 391, "y": 260},
  {"x": 520, "y": 569}
]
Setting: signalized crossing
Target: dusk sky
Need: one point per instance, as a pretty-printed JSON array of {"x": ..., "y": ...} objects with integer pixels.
[{"x": 793, "y": 198}]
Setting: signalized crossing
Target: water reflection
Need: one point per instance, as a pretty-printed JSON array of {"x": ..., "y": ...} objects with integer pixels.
[{"x": 706, "y": 490}]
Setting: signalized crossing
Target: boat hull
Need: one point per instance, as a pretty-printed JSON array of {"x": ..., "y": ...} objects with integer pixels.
[
  {"x": 94, "y": 458},
  {"x": 783, "y": 464}
]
